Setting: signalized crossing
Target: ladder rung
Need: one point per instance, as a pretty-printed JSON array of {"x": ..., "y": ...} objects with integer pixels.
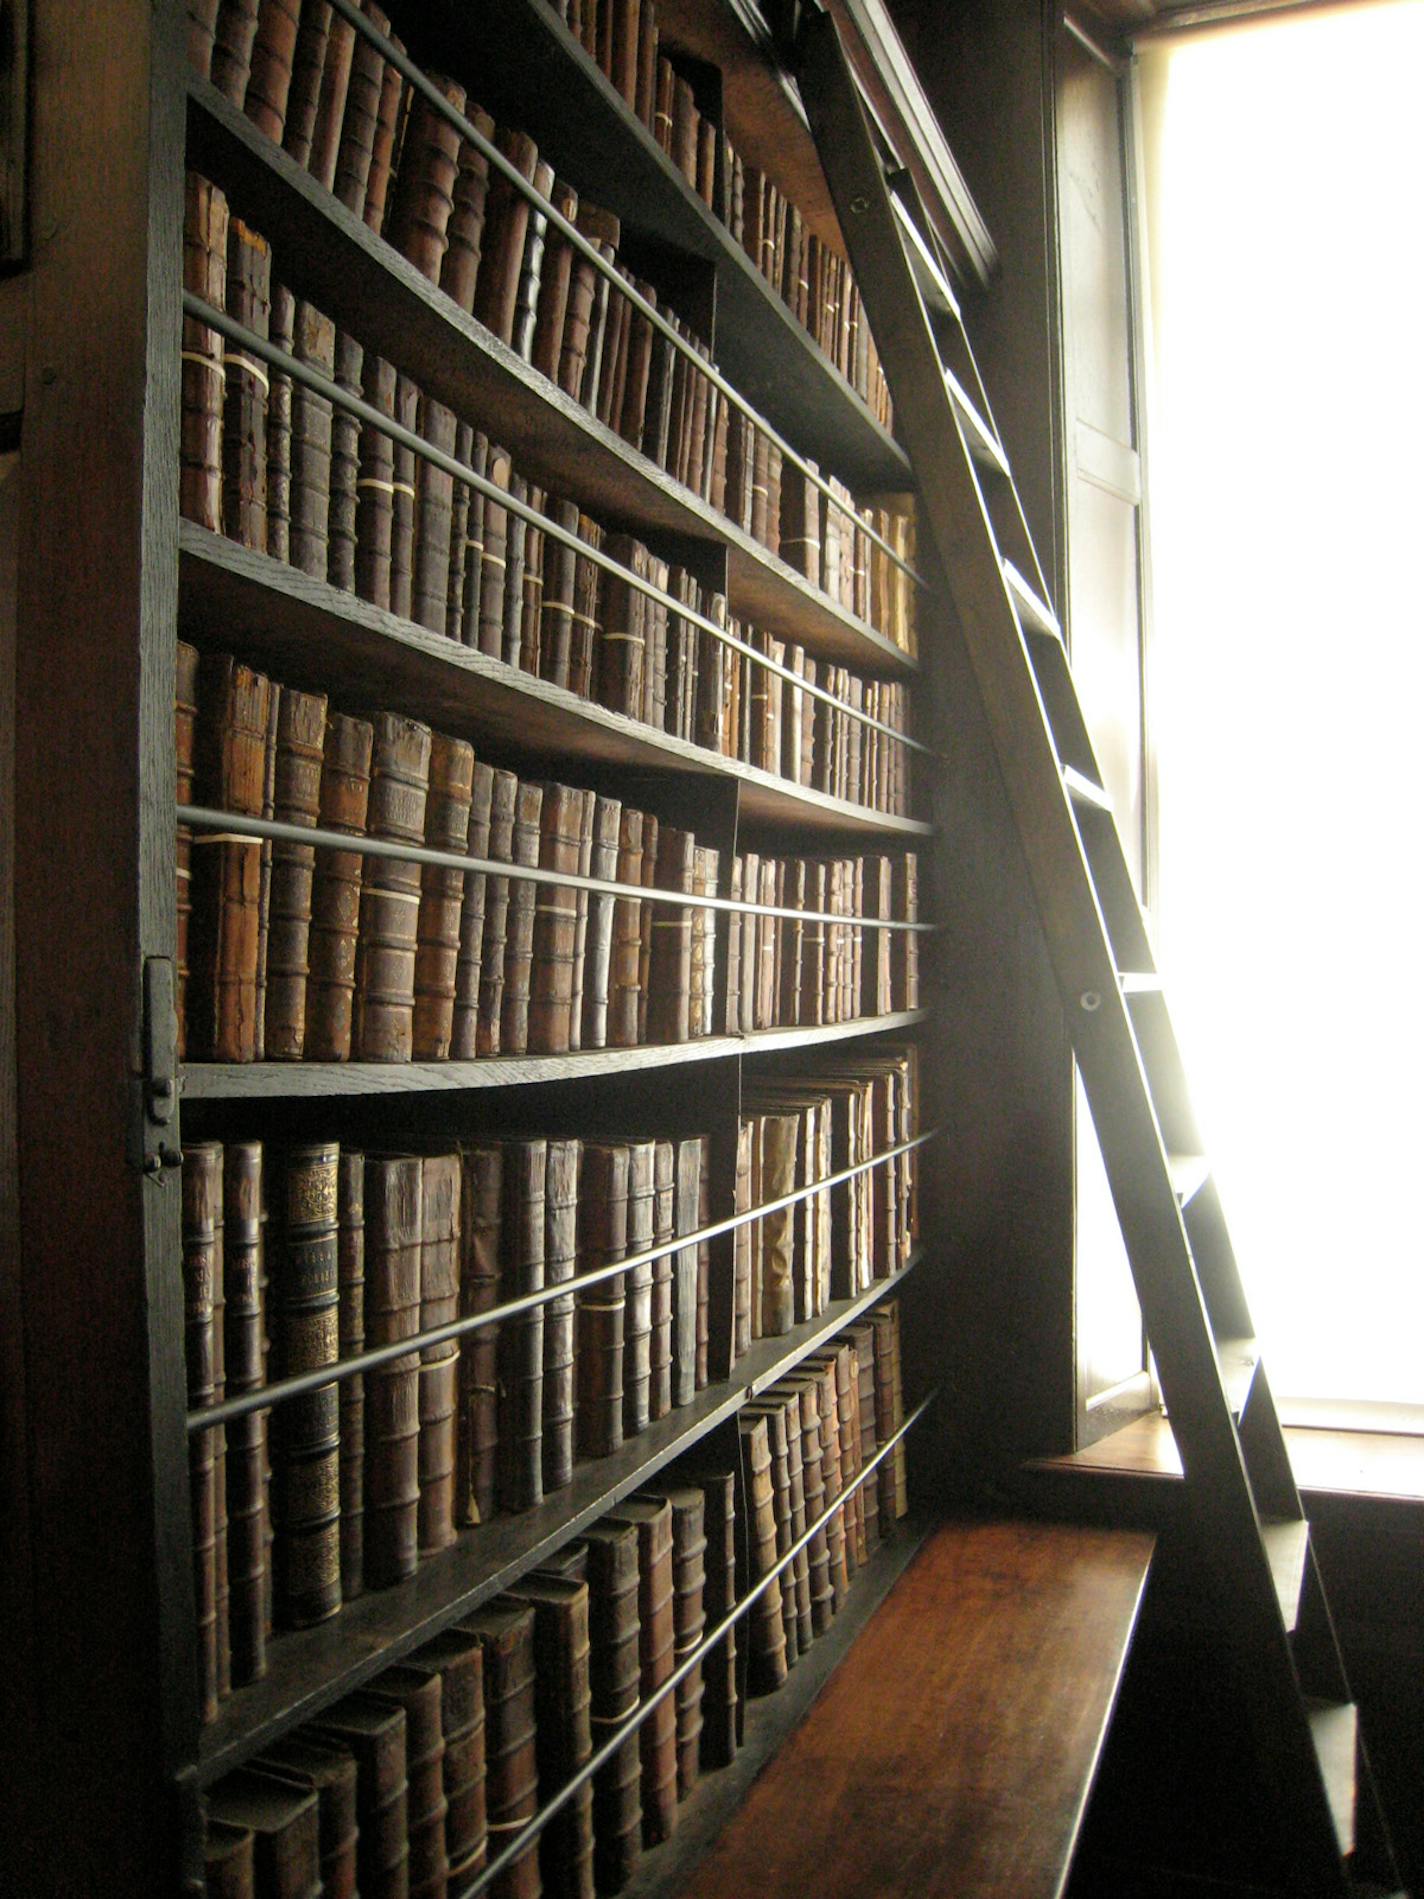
[
  {"x": 1286, "y": 1541},
  {"x": 1084, "y": 790},
  {"x": 1189, "y": 1175},
  {"x": 934, "y": 285},
  {"x": 1334, "y": 1730},
  {"x": 1034, "y": 615},
  {"x": 984, "y": 446},
  {"x": 1236, "y": 1361}
]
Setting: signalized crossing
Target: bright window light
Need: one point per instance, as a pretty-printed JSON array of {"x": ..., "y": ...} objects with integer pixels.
[{"x": 1287, "y": 674}]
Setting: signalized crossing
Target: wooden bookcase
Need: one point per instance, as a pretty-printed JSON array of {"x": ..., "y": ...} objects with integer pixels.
[{"x": 99, "y": 1587}]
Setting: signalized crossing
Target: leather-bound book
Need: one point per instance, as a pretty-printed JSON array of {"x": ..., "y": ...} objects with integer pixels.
[
  {"x": 205, "y": 234},
  {"x": 598, "y": 938},
  {"x": 442, "y": 898},
  {"x": 494, "y": 549},
  {"x": 301, "y": 735},
  {"x": 660, "y": 1345},
  {"x": 459, "y": 1662},
  {"x": 587, "y": 803},
  {"x": 861, "y": 1338},
  {"x": 270, "y": 80},
  {"x": 464, "y": 623},
  {"x": 560, "y": 559},
  {"x": 505, "y": 1628},
  {"x": 629, "y": 419},
  {"x": 264, "y": 871},
  {"x": 403, "y": 461},
  {"x": 806, "y": 1394},
  {"x": 439, "y": 1364},
  {"x": 185, "y": 718},
  {"x": 282, "y": 1819},
  {"x": 615, "y": 1672},
  {"x": 602, "y": 1308},
  {"x": 670, "y": 969},
  {"x": 657, "y": 1737},
  {"x": 435, "y": 492},
  {"x": 202, "y": 1278},
  {"x": 521, "y": 1340},
  {"x": 228, "y": 1871},
  {"x": 638, "y": 1290},
  {"x": 393, "y": 1262},
  {"x": 602, "y": 230},
  {"x": 351, "y": 1331},
  {"x": 331, "y": 100},
  {"x": 746, "y": 1238},
  {"x": 656, "y": 431},
  {"x": 328, "y": 1770},
  {"x": 314, "y": 343},
  {"x": 418, "y": 1691},
  {"x": 774, "y": 1412},
  {"x": 831, "y": 1474},
  {"x": 374, "y": 1729},
  {"x": 375, "y": 484},
  {"x": 511, "y": 636},
  {"x": 459, "y": 268},
  {"x": 519, "y": 937},
  {"x": 391, "y": 119},
  {"x": 702, "y": 954},
  {"x": 464, "y": 1044},
  {"x": 345, "y": 466},
  {"x": 682, "y": 1284},
  {"x": 245, "y": 1369},
  {"x": 905, "y": 948},
  {"x": 554, "y": 285},
  {"x": 359, "y": 121},
  {"x": 201, "y": 21},
  {"x": 481, "y": 1228},
  {"x": 383, "y": 1026},
  {"x": 303, "y": 1322},
  {"x": 625, "y": 966},
  {"x": 244, "y": 427},
  {"x": 562, "y": 1703},
  {"x": 689, "y": 1601},
  {"x": 506, "y": 231},
  {"x": 889, "y": 1412},
  {"x": 848, "y": 1415},
  {"x": 336, "y": 890},
  {"x": 778, "y": 1148},
  {"x": 532, "y": 596},
  {"x": 720, "y": 1700},
  {"x": 230, "y": 772},
  {"x": 768, "y": 945},
  {"x": 604, "y": 394},
  {"x": 555, "y": 920},
  {"x": 704, "y": 1263},
  {"x": 304, "y": 93},
  {"x": 877, "y": 966},
  {"x": 587, "y": 620},
  {"x": 460, "y": 497},
  {"x": 504, "y": 793},
  {"x": 531, "y": 268},
  {"x": 767, "y": 1630},
  {"x": 796, "y": 1583},
  {"x": 423, "y": 197},
  {"x": 234, "y": 31},
  {"x": 561, "y": 1199},
  {"x": 655, "y": 650}
]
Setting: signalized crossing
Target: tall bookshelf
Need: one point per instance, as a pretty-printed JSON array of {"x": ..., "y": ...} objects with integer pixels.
[{"x": 103, "y": 1572}]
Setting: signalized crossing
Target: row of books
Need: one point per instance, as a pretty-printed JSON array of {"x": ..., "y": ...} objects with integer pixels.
[
  {"x": 413, "y": 1783},
  {"x": 810, "y": 277},
  {"x": 469, "y": 230},
  {"x": 801, "y": 1128},
  {"x": 288, "y": 952},
  {"x": 295, "y": 1257},
  {"x": 783, "y": 972}
]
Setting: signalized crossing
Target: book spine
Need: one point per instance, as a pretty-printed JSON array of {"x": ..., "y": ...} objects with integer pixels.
[
  {"x": 273, "y": 50},
  {"x": 383, "y": 1028},
  {"x": 344, "y": 467},
  {"x": 797, "y": 1588},
  {"x": 201, "y": 24},
  {"x": 614, "y": 1673},
  {"x": 555, "y": 924},
  {"x": 244, "y": 426},
  {"x": 519, "y": 940},
  {"x": 660, "y": 1345},
  {"x": 393, "y": 1263},
  {"x": 767, "y": 1633},
  {"x": 306, "y": 1442},
  {"x": 301, "y": 737},
  {"x": 554, "y": 289},
  {"x": 601, "y": 1313},
  {"x": 304, "y": 94},
  {"x": 562, "y": 1705},
  {"x": 442, "y": 898},
  {"x": 505, "y": 233},
  {"x": 403, "y": 498},
  {"x": 359, "y": 120},
  {"x": 264, "y": 875},
  {"x": 374, "y": 1729},
  {"x": 531, "y": 269},
  {"x": 375, "y": 485},
  {"x": 424, "y": 195},
  {"x": 336, "y": 891},
  {"x": 234, "y": 31},
  {"x": 464, "y": 1018},
  {"x": 603, "y": 862},
  {"x": 656, "y": 1657},
  {"x": 685, "y": 1290},
  {"x": 814, "y": 1485},
  {"x": 719, "y": 1668},
  {"x": 511, "y": 1765},
  {"x": 503, "y": 798},
  {"x": 418, "y": 1692},
  {"x": 202, "y": 1274},
  {"x": 185, "y": 721},
  {"x": 689, "y": 1597},
  {"x": 245, "y": 1358},
  {"x": 638, "y": 1285},
  {"x": 434, "y": 512},
  {"x": 670, "y": 972},
  {"x": 521, "y": 1341},
  {"x": 200, "y": 459},
  {"x": 439, "y": 1364},
  {"x": 476, "y": 1435},
  {"x": 391, "y": 117},
  {"x": 494, "y": 546},
  {"x": 314, "y": 343},
  {"x": 459, "y": 268},
  {"x": 460, "y": 1660},
  {"x": 516, "y": 539},
  {"x": 561, "y": 1199},
  {"x": 351, "y": 1334}
]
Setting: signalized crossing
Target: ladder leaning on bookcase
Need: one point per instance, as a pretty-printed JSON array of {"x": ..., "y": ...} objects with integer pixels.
[{"x": 1264, "y": 1586}]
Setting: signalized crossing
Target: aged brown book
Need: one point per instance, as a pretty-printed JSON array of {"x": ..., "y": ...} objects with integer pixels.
[
  {"x": 557, "y": 604},
  {"x": 625, "y": 978},
  {"x": 394, "y": 1229},
  {"x": 506, "y": 230},
  {"x": 245, "y": 1370},
  {"x": 202, "y": 1347},
  {"x": 418, "y": 1692},
  {"x": 439, "y": 1364},
  {"x": 561, "y": 1200},
  {"x": 234, "y": 30},
  {"x": 773, "y": 1411},
  {"x": 383, "y": 1025},
  {"x": 460, "y": 266},
  {"x": 434, "y": 518},
  {"x": 638, "y": 1290},
  {"x": 301, "y": 735},
  {"x": 519, "y": 939},
  {"x": 304, "y": 93},
  {"x": 403, "y": 501},
  {"x": 264, "y": 872},
  {"x": 704, "y": 1271},
  {"x": 345, "y": 466},
  {"x": 282, "y": 1819},
  {"x": 375, "y": 484},
  {"x": 391, "y": 116},
  {"x": 227, "y": 1860},
  {"x": 282, "y": 331},
  {"x": 598, "y": 936},
  {"x": 614, "y": 1676},
  {"x": 359, "y": 120},
  {"x": 336, "y": 890},
  {"x": 481, "y": 1228},
  {"x": 889, "y": 1412},
  {"x": 424, "y": 192},
  {"x": 185, "y": 717},
  {"x": 459, "y": 1661},
  {"x": 230, "y": 772},
  {"x": 587, "y": 624},
  {"x": 622, "y": 637},
  {"x": 745, "y": 1240},
  {"x": 461, "y": 495},
  {"x": 670, "y": 970},
  {"x": 664, "y": 1229},
  {"x": 201, "y": 21},
  {"x": 244, "y": 423},
  {"x": 531, "y": 268},
  {"x": 351, "y": 1333},
  {"x": 200, "y": 465},
  {"x": 684, "y": 1287},
  {"x": 506, "y": 1630},
  {"x": 587, "y": 287},
  {"x": 838, "y": 1531},
  {"x": 587, "y": 802},
  {"x": 504, "y": 793},
  {"x": 720, "y": 1703},
  {"x": 562, "y": 1703},
  {"x": 521, "y": 1340},
  {"x": 331, "y": 100},
  {"x": 554, "y": 286},
  {"x": 328, "y": 1770},
  {"x": 555, "y": 920},
  {"x": 464, "y": 1044},
  {"x": 511, "y": 638},
  {"x": 601, "y": 1312},
  {"x": 796, "y": 1583},
  {"x": 767, "y": 1628},
  {"x": 905, "y": 944},
  {"x": 689, "y": 1593},
  {"x": 657, "y": 1736},
  {"x": 442, "y": 898},
  {"x": 806, "y": 1392},
  {"x": 270, "y": 80},
  {"x": 494, "y": 547},
  {"x": 374, "y": 1729}
]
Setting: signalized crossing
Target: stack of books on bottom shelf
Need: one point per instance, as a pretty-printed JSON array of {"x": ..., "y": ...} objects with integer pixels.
[{"x": 417, "y": 1781}]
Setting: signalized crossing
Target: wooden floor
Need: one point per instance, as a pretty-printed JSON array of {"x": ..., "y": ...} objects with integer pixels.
[{"x": 952, "y": 1751}]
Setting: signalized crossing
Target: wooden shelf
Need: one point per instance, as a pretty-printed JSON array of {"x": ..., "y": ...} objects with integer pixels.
[
  {"x": 325, "y": 254},
  {"x": 310, "y": 1668},
  {"x": 313, "y": 634},
  {"x": 557, "y": 93},
  {"x": 247, "y": 1081}
]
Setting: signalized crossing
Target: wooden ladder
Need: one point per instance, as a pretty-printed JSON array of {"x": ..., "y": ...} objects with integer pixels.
[{"x": 1262, "y": 1578}]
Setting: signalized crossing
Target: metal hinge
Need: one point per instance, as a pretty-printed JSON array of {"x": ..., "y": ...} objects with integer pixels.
[{"x": 158, "y": 1115}]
